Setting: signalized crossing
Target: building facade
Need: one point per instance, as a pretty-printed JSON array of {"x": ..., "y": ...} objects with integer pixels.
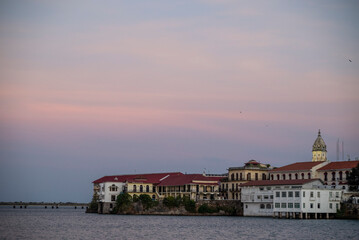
[
  {"x": 302, "y": 198},
  {"x": 251, "y": 171}
]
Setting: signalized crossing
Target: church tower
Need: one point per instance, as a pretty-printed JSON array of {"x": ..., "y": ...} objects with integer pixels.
[{"x": 319, "y": 149}]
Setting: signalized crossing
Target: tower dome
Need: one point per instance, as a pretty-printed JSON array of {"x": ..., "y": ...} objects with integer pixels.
[
  {"x": 319, "y": 151},
  {"x": 319, "y": 144}
]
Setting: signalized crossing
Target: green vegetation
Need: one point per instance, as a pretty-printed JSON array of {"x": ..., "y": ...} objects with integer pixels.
[
  {"x": 189, "y": 204},
  {"x": 173, "y": 202},
  {"x": 123, "y": 202},
  {"x": 204, "y": 208},
  {"x": 94, "y": 203},
  {"x": 147, "y": 201},
  {"x": 353, "y": 179}
]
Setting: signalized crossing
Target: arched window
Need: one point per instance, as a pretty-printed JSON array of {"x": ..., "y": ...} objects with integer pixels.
[
  {"x": 277, "y": 176},
  {"x": 237, "y": 196},
  {"x": 141, "y": 188},
  {"x": 290, "y": 176},
  {"x": 256, "y": 176},
  {"x": 153, "y": 197},
  {"x": 325, "y": 176},
  {"x": 302, "y": 175},
  {"x": 232, "y": 176},
  {"x": 308, "y": 175},
  {"x": 147, "y": 188},
  {"x": 134, "y": 188},
  {"x": 249, "y": 176},
  {"x": 240, "y": 176},
  {"x": 264, "y": 176},
  {"x": 296, "y": 176},
  {"x": 271, "y": 177},
  {"x": 346, "y": 175},
  {"x": 340, "y": 175},
  {"x": 333, "y": 176},
  {"x": 283, "y": 176},
  {"x": 237, "y": 186},
  {"x": 262, "y": 206},
  {"x": 269, "y": 206},
  {"x": 236, "y": 176}
]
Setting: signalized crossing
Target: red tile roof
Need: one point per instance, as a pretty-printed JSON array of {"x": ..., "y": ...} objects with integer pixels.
[
  {"x": 179, "y": 180},
  {"x": 153, "y": 178},
  {"x": 339, "y": 165},
  {"x": 298, "y": 166},
  {"x": 278, "y": 182}
]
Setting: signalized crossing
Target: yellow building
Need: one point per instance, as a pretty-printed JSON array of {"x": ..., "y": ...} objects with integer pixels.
[
  {"x": 251, "y": 170},
  {"x": 319, "y": 150}
]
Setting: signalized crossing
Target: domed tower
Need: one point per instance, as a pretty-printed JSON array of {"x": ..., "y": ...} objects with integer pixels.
[{"x": 319, "y": 149}]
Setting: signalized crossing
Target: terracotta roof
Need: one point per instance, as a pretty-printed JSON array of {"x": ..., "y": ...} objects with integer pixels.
[
  {"x": 278, "y": 182},
  {"x": 140, "y": 178},
  {"x": 339, "y": 165},
  {"x": 179, "y": 180},
  {"x": 297, "y": 166}
]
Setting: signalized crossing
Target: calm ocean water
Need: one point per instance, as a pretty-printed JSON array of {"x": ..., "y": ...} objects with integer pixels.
[{"x": 68, "y": 223}]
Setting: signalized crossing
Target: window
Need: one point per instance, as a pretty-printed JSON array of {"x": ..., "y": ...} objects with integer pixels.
[
  {"x": 333, "y": 176},
  {"x": 249, "y": 176},
  {"x": 308, "y": 175},
  {"x": 259, "y": 197},
  {"x": 271, "y": 196},
  {"x": 277, "y": 205},
  {"x": 284, "y": 194},
  {"x": 303, "y": 205},
  {"x": 284, "y": 205},
  {"x": 113, "y": 188},
  {"x": 236, "y": 176},
  {"x": 337, "y": 205},
  {"x": 311, "y": 194},
  {"x": 256, "y": 176},
  {"x": 303, "y": 193},
  {"x": 232, "y": 176},
  {"x": 246, "y": 206},
  {"x": 262, "y": 206},
  {"x": 330, "y": 194},
  {"x": 240, "y": 176},
  {"x": 153, "y": 197},
  {"x": 318, "y": 194},
  {"x": 113, "y": 198},
  {"x": 153, "y": 189},
  {"x": 134, "y": 188},
  {"x": 290, "y": 176},
  {"x": 290, "y": 205},
  {"x": 290, "y": 194},
  {"x": 331, "y": 205},
  {"x": 277, "y": 194},
  {"x": 296, "y": 205},
  {"x": 147, "y": 188},
  {"x": 269, "y": 188},
  {"x": 264, "y": 176},
  {"x": 141, "y": 188},
  {"x": 265, "y": 197},
  {"x": 296, "y": 176},
  {"x": 283, "y": 176},
  {"x": 269, "y": 206},
  {"x": 261, "y": 188},
  {"x": 296, "y": 193},
  {"x": 318, "y": 205},
  {"x": 271, "y": 177},
  {"x": 336, "y": 194},
  {"x": 302, "y": 175},
  {"x": 340, "y": 175},
  {"x": 325, "y": 176},
  {"x": 311, "y": 205},
  {"x": 277, "y": 176}
]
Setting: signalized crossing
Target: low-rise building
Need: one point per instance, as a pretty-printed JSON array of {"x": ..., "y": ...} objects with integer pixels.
[
  {"x": 109, "y": 187},
  {"x": 302, "y": 198},
  {"x": 195, "y": 186},
  {"x": 251, "y": 171}
]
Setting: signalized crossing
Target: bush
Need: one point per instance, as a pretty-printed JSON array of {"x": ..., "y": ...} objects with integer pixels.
[
  {"x": 123, "y": 202},
  {"x": 146, "y": 201},
  {"x": 204, "y": 208},
  {"x": 169, "y": 202},
  {"x": 94, "y": 203},
  {"x": 135, "y": 198},
  {"x": 189, "y": 205}
]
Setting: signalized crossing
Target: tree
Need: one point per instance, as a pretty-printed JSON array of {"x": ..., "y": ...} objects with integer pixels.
[
  {"x": 123, "y": 201},
  {"x": 94, "y": 202},
  {"x": 353, "y": 179},
  {"x": 146, "y": 201}
]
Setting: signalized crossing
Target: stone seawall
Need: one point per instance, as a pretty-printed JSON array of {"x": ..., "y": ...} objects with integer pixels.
[{"x": 223, "y": 208}]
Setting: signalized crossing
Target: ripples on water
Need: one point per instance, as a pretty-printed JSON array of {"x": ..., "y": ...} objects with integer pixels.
[{"x": 68, "y": 223}]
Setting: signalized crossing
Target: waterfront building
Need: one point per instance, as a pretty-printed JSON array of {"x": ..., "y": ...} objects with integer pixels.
[
  {"x": 251, "y": 171},
  {"x": 335, "y": 174},
  {"x": 195, "y": 186},
  {"x": 301, "y": 198},
  {"x": 109, "y": 187}
]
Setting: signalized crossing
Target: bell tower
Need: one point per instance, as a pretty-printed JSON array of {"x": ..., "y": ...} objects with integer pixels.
[{"x": 319, "y": 150}]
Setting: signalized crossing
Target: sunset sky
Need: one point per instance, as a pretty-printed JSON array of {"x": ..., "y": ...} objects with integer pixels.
[{"x": 94, "y": 88}]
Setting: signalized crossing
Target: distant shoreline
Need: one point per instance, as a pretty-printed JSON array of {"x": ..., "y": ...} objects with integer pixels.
[{"x": 43, "y": 204}]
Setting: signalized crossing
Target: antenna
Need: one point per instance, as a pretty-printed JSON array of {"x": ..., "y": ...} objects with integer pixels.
[
  {"x": 343, "y": 150},
  {"x": 338, "y": 150}
]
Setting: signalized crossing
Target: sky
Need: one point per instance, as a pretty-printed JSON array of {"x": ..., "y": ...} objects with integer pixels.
[{"x": 95, "y": 88}]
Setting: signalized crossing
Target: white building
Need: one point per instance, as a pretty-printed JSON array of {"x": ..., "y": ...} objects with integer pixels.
[{"x": 302, "y": 198}]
